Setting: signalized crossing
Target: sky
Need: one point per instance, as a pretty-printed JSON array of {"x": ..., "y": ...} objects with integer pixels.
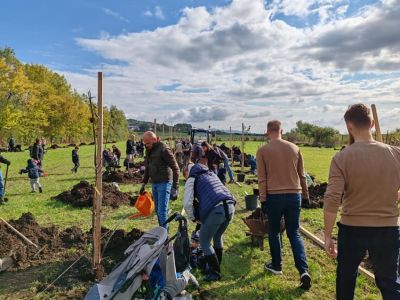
[{"x": 219, "y": 62}]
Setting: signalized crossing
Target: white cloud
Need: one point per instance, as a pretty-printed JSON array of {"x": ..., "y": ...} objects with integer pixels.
[
  {"x": 158, "y": 12},
  {"x": 148, "y": 13},
  {"x": 114, "y": 14},
  {"x": 249, "y": 64}
]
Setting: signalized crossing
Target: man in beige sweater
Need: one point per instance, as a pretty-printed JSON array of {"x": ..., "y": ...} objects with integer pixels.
[
  {"x": 282, "y": 183},
  {"x": 367, "y": 175}
]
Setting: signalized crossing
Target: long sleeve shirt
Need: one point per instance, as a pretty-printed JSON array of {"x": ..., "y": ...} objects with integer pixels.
[
  {"x": 280, "y": 169},
  {"x": 367, "y": 175},
  {"x": 188, "y": 198}
]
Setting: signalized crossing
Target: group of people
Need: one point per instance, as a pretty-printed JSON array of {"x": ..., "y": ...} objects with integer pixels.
[{"x": 364, "y": 179}]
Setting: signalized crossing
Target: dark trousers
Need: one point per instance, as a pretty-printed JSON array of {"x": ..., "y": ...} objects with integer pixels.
[
  {"x": 288, "y": 206},
  {"x": 76, "y": 166},
  {"x": 383, "y": 245}
]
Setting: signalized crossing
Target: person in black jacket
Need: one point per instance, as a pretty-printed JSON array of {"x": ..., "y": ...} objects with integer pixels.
[
  {"x": 213, "y": 157},
  {"x": 37, "y": 152},
  {"x": 7, "y": 162},
  {"x": 75, "y": 160},
  {"x": 163, "y": 171}
]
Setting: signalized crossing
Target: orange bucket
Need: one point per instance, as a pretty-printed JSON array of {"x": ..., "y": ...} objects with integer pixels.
[{"x": 145, "y": 205}]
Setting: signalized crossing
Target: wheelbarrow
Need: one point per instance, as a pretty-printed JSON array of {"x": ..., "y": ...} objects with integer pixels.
[{"x": 258, "y": 226}]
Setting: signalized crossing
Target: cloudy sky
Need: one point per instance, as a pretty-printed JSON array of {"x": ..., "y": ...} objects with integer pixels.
[{"x": 219, "y": 62}]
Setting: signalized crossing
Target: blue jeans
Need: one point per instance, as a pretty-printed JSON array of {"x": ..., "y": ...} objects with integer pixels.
[
  {"x": 161, "y": 192},
  {"x": 213, "y": 228},
  {"x": 1, "y": 185},
  {"x": 288, "y": 206},
  {"x": 383, "y": 246},
  {"x": 228, "y": 168}
]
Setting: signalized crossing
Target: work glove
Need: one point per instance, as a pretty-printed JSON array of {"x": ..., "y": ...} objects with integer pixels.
[
  {"x": 174, "y": 193},
  {"x": 142, "y": 189}
]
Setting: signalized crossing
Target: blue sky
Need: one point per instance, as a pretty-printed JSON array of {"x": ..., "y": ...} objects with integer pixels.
[{"x": 219, "y": 62}]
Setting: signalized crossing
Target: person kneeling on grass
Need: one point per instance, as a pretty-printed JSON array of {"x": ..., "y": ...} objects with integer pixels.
[
  {"x": 34, "y": 172},
  {"x": 209, "y": 202}
]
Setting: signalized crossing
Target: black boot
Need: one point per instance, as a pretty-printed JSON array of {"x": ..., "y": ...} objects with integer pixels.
[
  {"x": 214, "y": 271},
  {"x": 219, "y": 252}
]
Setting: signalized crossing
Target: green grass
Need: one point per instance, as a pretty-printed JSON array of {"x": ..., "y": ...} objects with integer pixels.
[{"x": 243, "y": 275}]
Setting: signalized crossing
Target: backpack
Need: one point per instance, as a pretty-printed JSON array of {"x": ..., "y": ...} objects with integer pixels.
[{"x": 182, "y": 247}]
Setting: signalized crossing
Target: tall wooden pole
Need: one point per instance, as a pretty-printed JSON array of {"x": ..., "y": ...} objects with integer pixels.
[
  {"x": 155, "y": 126},
  {"x": 377, "y": 127},
  {"x": 97, "y": 200},
  {"x": 231, "y": 146},
  {"x": 163, "y": 131},
  {"x": 242, "y": 147}
]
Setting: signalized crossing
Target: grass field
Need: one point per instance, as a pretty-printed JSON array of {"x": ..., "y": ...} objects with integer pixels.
[{"x": 243, "y": 275}]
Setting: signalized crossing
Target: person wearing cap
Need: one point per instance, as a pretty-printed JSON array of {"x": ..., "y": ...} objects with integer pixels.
[
  {"x": 163, "y": 171},
  {"x": 364, "y": 179},
  {"x": 282, "y": 185},
  {"x": 209, "y": 203}
]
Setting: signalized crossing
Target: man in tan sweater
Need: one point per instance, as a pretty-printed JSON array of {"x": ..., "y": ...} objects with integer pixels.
[
  {"x": 367, "y": 175},
  {"x": 282, "y": 183}
]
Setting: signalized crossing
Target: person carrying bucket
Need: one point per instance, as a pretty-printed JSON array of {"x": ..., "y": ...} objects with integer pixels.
[{"x": 163, "y": 171}]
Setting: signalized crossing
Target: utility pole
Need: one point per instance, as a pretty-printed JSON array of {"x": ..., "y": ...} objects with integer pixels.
[
  {"x": 163, "y": 132},
  {"x": 155, "y": 127},
  {"x": 98, "y": 197}
]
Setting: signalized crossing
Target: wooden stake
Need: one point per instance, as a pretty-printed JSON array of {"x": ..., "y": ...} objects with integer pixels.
[
  {"x": 242, "y": 147},
  {"x": 377, "y": 127},
  {"x": 155, "y": 127},
  {"x": 163, "y": 131},
  {"x": 98, "y": 195},
  {"x": 230, "y": 133}
]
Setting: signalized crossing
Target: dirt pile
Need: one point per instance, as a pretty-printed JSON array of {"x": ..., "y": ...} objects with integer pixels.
[
  {"x": 316, "y": 193},
  {"x": 123, "y": 177},
  {"x": 82, "y": 195},
  {"x": 49, "y": 240},
  {"x": 53, "y": 243},
  {"x": 54, "y": 146}
]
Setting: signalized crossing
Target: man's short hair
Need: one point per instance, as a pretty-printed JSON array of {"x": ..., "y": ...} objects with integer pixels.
[
  {"x": 274, "y": 126},
  {"x": 359, "y": 115}
]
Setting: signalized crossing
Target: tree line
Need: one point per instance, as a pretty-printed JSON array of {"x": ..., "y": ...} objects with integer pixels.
[{"x": 37, "y": 102}]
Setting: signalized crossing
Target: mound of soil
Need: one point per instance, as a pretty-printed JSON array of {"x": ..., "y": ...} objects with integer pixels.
[
  {"x": 54, "y": 146},
  {"x": 49, "y": 240},
  {"x": 123, "y": 177},
  {"x": 71, "y": 145},
  {"x": 82, "y": 195},
  {"x": 316, "y": 193},
  {"x": 82, "y": 144},
  {"x": 53, "y": 243}
]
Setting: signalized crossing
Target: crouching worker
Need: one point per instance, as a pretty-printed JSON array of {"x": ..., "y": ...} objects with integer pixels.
[{"x": 208, "y": 201}]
